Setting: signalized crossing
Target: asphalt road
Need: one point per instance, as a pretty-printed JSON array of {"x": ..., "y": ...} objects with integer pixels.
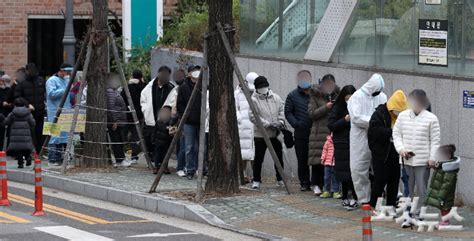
[{"x": 77, "y": 218}]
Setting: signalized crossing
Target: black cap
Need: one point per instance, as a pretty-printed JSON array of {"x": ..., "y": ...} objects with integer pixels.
[
  {"x": 192, "y": 67},
  {"x": 261, "y": 82}
]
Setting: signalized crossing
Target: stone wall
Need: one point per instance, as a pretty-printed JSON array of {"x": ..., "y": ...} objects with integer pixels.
[{"x": 445, "y": 93}]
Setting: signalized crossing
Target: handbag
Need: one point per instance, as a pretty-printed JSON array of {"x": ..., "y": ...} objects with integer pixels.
[{"x": 288, "y": 137}]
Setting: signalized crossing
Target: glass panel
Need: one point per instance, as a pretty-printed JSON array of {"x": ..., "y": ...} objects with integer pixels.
[
  {"x": 468, "y": 67},
  {"x": 261, "y": 33}
]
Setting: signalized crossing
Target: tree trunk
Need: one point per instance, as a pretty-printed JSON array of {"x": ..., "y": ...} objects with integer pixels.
[
  {"x": 224, "y": 145},
  {"x": 96, "y": 154}
]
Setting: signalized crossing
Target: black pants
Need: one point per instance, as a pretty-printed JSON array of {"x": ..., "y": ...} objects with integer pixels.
[
  {"x": 387, "y": 174},
  {"x": 260, "y": 149},
  {"x": 317, "y": 175},
  {"x": 118, "y": 136},
  {"x": 148, "y": 136},
  {"x": 159, "y": 154},
  {"x": 301, "y": 149},
  {"x": 2, "y": 137},
  {"x": 20, "y": 154},
  {"x": 38, "y": 133},
  {"x": 133, "y": 138},
  {"x": 346, "y": 187}
]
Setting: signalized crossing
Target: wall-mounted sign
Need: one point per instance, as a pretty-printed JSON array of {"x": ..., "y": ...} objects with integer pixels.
[
  {"x": 433, "y": 42},
  {"x": 468, "y": 99},
  {"x": 433, "y": 2}
]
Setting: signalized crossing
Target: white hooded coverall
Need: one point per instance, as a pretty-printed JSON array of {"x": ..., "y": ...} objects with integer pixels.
[{"x": 361, "y": 106}]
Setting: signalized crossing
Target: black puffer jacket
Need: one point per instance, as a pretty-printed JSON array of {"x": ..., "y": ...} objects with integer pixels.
[
  {"x": 162, "y": 137},
  {"x": 33, "y": 90},
  {"x": 4, "y": 98},
  {"x": 296, "y": 113},
  {"x": 135, "y": 87},
  {"x": 340, "y": 129},
  {"x": 380, "y": 137},
  {"x": 21, "y": 123},
  {"x": 184, "y": 94},
  {"x": 116, "y": 104}
]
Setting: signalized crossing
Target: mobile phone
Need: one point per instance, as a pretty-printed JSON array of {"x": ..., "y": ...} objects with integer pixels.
[{"x": 410, "y": 155}]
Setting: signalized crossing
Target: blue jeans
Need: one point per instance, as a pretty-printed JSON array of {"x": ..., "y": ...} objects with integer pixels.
[
  {"x": 55, "y": 153},
  {"x": 331, "y": 184},
  {"x": 191, "y": 139},
  {"x": 406, "y": 188},
  {"x": 181, "y": 154}
]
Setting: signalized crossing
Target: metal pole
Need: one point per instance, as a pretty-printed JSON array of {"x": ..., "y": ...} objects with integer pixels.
[
  {"x": 118, "y": 61},
  {"x": 281, "y": 9},
  {"x": 176, "y": 136},
  {"x": 66, "y": 91},
  {"x": 247, "y": 94},
  {"x": 76, "y": 107},
  {"x": 69, "y": 39},
  {"x": 202, "y": 129}
]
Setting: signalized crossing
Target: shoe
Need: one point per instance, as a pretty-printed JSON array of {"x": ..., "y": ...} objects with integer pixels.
[
  {"x": 28, "y": 162},
  {"x": 190, "y": 176},
  {"x": 353, "y": 204},
  {"x": 181, "y": 173},
  {"x": 20, "y": 166},
  {"x": 346, "y": 203},
  {"x": 280, "y": 184},
  {"x": 326, "y": 195},
  {"x": 337, "y": 195},
  {"x": 317, "y": 190},
  {"x": 134, "y": 161},
  {"x": 255, "y": 185},
  {"x": 155, "y": 171},
  {"x": 305, "y": 188},
  {"x": 167, "y": 171},
  {"x": 126, "y": 163},
  {"x": 444, "y": 223},
  {"x": 56, "y": 164}
]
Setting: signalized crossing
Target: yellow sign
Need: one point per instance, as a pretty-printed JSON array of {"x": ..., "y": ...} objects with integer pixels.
[
  {"x": 64, "y": 123},
  {"x": 50, "y": 129}
]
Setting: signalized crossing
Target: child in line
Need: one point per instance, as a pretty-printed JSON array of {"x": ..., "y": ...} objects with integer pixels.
[
  {"x": 21, "y": 123},
  {"x": 442, "y": 189},
  {"x": 163, "y": 136},
  {"x": 331, "y": 184}
]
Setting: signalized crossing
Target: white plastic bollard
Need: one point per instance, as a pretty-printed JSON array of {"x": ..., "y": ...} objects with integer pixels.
[
  {"x": 452, "y": 214},
  {"x": 425, "y": 215}
]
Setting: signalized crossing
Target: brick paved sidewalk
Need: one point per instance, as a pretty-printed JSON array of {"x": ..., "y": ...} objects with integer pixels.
[{"x": 300, "y": 216}]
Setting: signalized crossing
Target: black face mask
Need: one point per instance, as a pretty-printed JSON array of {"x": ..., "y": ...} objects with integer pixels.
[
  {"x": 376, "y": 93},
  {"x": 180, "y": 81}
]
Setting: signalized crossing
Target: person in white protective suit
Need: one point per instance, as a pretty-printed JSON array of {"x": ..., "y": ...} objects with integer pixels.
[{"x": 361, "y": 106}]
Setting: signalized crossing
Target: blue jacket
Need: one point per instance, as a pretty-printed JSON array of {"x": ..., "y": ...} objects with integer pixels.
[
  {"x": 55, "y": 87},
  {"x": 296, "y": 112}
]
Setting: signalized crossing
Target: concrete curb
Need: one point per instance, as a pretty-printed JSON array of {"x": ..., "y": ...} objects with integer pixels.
[{"x": 153, "y": 203}]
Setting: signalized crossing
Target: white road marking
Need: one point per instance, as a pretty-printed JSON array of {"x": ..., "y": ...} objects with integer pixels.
[
  {"x": 72, "y": 234},
  {"x": 160, "y": 235}
]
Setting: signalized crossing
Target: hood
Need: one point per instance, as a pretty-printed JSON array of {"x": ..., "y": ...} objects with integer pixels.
[
  {"x": 134, "y": 81},
  {"x": 21, "y": 111},
  {"x": 374, "y": 84},
  {"x": 397, "y": 102}
]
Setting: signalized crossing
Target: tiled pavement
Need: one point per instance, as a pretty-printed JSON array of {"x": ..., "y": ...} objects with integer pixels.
[{"x": 300, "y": 216}]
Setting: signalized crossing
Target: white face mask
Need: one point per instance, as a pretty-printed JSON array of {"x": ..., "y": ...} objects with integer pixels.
[
  {"x": 67, "y": 77},
  {"x": 263, "y": 90}
]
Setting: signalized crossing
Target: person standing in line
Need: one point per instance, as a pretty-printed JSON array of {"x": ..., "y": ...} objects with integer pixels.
[
  {"x": 246, "y": 128},
  {"x": 361, "y": 106},
  {"x": 55, "y": 88},
  {"x": 271, "y": 112},
  {"x": 179, "y": 78},
  {"x": 33, "y": 90},
  {"x": 321, "y": 101},
  {"x": 416, "y": 136},
  {"x": 192, "y": 123},
  {"x": 385, "y": 159},
  {"x": 339, "y": 123},
  {"x": 296, "y": 112},
  {"x": 135, "y": 86},
  {"x": 5, "y": 83},
  {"x": 163, "y": 136},
  {"x": 152, "y": 99}
]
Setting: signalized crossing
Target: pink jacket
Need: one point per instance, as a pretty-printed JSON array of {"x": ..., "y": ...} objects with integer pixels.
[{"x": 327, "y": 158}]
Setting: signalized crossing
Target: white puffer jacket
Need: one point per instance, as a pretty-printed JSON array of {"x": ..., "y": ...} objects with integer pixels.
[
  {"x": 246, "y": 132},
  {"x": 271, "y": 109},
  {"x": 417, "y": 133}
]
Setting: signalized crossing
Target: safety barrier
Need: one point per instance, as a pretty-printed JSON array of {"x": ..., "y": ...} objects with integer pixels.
[
  {"x": 366, "y": 224},
  {"x": 38, "y": 188},
  {"x": 3, "y": 175}
]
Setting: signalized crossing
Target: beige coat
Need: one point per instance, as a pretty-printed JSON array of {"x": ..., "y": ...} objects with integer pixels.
[{"x": 271, "y": 109}]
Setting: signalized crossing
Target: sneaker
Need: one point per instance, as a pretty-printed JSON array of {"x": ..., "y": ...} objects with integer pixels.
[
  {"x": 337, "y": 195},
  {"x": 126, "y": 163},
  {"x": 190, "y": 176},
  {"x": 280, "y": 184},
  {"x": 20, "y": 165},
  {"x": 28, "y": 162},
  {"x": 326, "y": 195},
  {"x": 134, "y": 161},
  {"x": 181, "y": 173},
  {"x": 255, "y": 185},
  {"x": 345, "y": 203},
  {"x": 317, "y": 190},
  {"x": 353, "y": 204}
]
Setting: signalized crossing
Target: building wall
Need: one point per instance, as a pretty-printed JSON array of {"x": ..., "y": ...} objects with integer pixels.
[
  {"x": 445, "y": 94},
  {"x": 14, "y": 20}
]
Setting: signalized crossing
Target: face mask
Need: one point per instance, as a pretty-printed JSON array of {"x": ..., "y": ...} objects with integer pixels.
[
  {"x": 251, "y": 87},
  {"x": 119, "y": 89},
  {"x": 8, "y": 84},
  {"x": 263, "y": 90},
  {"x": 304, "y": 84},
  {"x": 67, "y": 77},
  {"x": 179, "y": 82},
  {"x": 376, "y": 93}
]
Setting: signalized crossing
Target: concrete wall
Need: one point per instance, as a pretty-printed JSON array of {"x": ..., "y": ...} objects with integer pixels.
[{"x": 445, "y": 93}]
